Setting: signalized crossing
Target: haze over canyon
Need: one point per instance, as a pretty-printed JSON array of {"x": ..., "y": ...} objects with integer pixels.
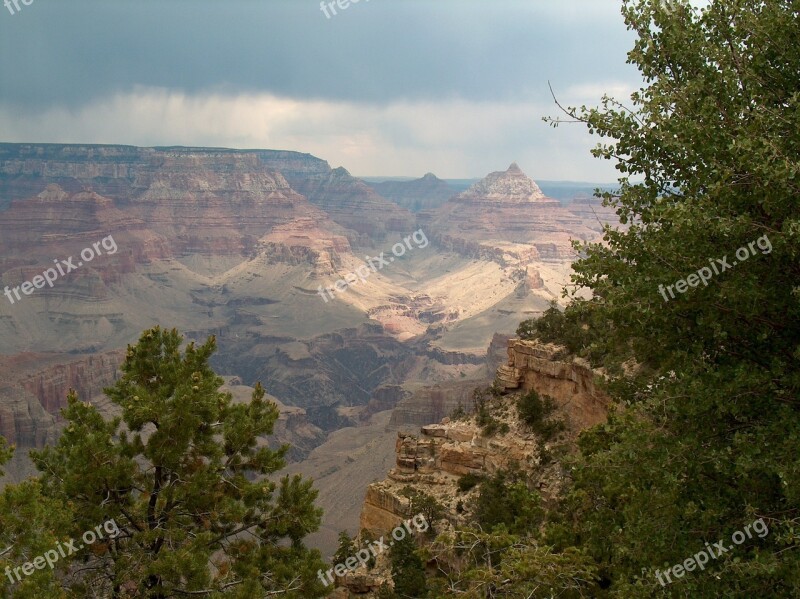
[{"x": 236, "y": 244}]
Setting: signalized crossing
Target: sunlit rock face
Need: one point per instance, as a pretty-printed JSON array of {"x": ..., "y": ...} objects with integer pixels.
[{"x": 506, "y": 217}]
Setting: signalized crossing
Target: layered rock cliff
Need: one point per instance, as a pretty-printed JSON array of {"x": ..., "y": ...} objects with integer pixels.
[
  {"x": 549, "y": 370},
  {"x": 505, "y": 217},
  {"x": 433, "y": 460},
  {"x": 352, "y": 204},
  {"x": 35, "y": 388},
  {"x": 205, "y": 200}
]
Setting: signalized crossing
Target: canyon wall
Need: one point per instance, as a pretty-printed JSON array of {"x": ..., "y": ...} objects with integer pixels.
[{"x": 434, "y": 459}]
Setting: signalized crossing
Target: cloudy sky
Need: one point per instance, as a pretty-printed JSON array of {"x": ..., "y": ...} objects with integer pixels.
[{"x": 383, "y": 87}]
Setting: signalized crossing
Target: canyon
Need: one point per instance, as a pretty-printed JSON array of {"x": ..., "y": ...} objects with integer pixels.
[
  {"x": 235, "y": 243},
  {"x": 432, "y": 459}
]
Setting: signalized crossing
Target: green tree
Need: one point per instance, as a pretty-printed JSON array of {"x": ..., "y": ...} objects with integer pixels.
[
  {"x": 425, "y": 504},
  {"x": 186, "y": 479},
  {"x": 345, "y": 549},
  {"x": 505, "y": 500},
  {"x": 706, "y": 437},
  {"x": 408, "y": 571},
  {"x": 535, "y": 412},
  {"x": 30, "y": 525},
  {"x": 484, "y": 564}
]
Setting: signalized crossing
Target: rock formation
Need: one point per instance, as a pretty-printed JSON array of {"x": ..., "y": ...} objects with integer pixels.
[
  {"x": 427, "y": 193},
  {"x": 433, "y": 460},
  {"x": 506, "y": 217},
  {"x": 549, "y": 370}
]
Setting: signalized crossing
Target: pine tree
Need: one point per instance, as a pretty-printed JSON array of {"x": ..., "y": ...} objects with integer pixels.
[
  {"x": 408, "y": 571},
  {"x": 188, "y": 482},
  {"x": 345, "y": 549}
]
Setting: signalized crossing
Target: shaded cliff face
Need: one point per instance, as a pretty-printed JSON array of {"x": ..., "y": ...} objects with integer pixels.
[
  {"x": 427, "y": 193},
  {"x": 34, "y": 389},
  {"x": 355, "y": 206}
]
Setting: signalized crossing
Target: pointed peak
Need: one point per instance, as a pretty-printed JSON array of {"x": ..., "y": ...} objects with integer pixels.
[
  {"x": 511, "y": 185},
  {"x": 340, "y": 172}
]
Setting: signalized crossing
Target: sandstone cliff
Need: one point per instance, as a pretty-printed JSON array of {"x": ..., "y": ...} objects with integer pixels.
[
  {"x": 446, "y": 451},
  {"x": 549, "y": 370},
  {"x": 433, "y": 460}
]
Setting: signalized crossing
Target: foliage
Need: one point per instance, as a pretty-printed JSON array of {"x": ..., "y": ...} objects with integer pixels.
[
  {"x": 506, "y": 500},
  {"x": 367, "y": 538},
  {"x": 553, "y": 327},
  {"x": 500, "y": 564},
  {"x": 535, "y": 411},
  {"x": 345, "y": 549},
  {"x": 6, "y": 453},
  {"x": 30, "y": 525},
  {"x": 458, "y": 413},
  {"x": 706, "y": 437},
  {"x": 468, "y": 481},
  {"x": 385, "y": 592},
  {"x": 408, "y": 571},
  {"x": 482, "y": 400},
  {"x": 427, "y": 505},
  {"x": 186, "y": 482}
]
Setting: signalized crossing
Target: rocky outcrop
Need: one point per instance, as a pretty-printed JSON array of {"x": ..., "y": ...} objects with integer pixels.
[
  {"x": 434, "y": 459},
  {"x": 427, "y": 193},
  {"x": 549, "y": 370}
]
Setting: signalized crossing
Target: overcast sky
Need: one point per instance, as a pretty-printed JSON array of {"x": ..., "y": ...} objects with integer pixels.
[{"x": 383, "y": 87}]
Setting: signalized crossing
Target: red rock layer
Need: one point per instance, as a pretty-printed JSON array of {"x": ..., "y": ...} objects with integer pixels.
[{"x": 506, "y": 217}]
